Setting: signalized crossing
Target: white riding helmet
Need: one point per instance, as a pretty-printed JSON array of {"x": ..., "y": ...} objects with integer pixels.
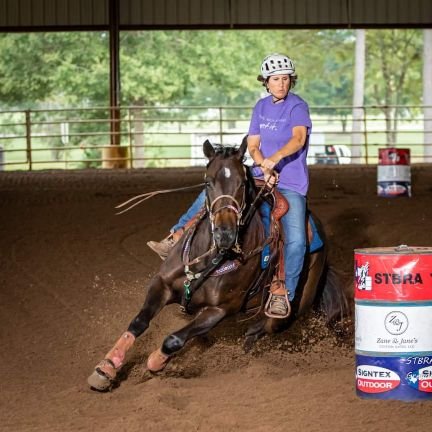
[{"x": 277, "y": 64}]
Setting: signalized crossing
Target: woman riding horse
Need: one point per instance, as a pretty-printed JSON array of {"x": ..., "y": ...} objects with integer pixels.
[
  {"x": 278, "y": 141},
  {"x": 212, "y": 269}
]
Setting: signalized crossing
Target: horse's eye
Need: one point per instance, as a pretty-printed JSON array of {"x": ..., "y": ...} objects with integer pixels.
[{"x": 208, "y": 181}]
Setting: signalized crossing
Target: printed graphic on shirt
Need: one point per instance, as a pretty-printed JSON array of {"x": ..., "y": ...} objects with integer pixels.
[{"x": 271, "y": 124}]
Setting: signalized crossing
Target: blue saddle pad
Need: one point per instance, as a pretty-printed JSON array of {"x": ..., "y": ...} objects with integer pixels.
[{"x": 317, "y": 242}]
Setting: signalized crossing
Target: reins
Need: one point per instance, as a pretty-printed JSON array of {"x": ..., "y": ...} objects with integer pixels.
[{"x": 143, "y": 197}]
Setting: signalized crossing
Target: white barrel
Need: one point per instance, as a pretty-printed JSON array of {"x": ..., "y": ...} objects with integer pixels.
[
  {"x": 394, "y": 172},
  {"x": 393, "y": 322}
]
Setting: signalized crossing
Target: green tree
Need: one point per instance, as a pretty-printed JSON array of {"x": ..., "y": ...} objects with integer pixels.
[
  {"x": 393, "y": 68},
  {"x": 54, "y": 68}
]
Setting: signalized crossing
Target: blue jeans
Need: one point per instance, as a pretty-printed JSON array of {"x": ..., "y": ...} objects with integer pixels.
[
  {"x": 294, "y": 227},
  {"x": 293, "y": 223},
  {"x": 191, "y": 212}
]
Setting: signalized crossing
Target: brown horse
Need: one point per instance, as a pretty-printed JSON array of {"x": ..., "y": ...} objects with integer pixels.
[{"x": 214, "y": 268}]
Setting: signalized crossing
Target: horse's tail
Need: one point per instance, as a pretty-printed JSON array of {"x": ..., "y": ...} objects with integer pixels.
[{"x": 335, "y": 299}]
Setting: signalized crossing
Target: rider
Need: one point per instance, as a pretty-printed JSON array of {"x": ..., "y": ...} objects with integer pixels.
[{"x": 277, "y": 142}]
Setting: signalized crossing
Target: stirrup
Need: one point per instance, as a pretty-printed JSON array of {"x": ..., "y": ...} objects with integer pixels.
[{"x": 279, "y": 298}]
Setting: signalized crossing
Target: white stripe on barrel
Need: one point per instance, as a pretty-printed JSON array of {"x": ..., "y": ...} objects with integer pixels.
[
  {"x": 394, "y": 172},
  {"x": 393, "y": 318}
]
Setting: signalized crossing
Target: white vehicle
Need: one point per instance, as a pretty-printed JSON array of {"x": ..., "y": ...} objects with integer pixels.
[
  {"x": 343, "y": 153},
  {"x": 337, "y": 154}
]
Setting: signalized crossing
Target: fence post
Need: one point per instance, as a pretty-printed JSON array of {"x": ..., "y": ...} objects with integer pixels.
[
  {"x": 220, "y": 125},
  {"x": 129, "y": 121},
  {"x": 365, "y": 135},
  {"x": 28, "y": 139}
]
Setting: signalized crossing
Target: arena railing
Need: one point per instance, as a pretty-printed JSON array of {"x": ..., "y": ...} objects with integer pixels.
[{"x": 172, "y": 136}]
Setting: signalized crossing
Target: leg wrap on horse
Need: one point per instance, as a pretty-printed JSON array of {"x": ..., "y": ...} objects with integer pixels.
[
  {"x": 118, "y": 353},
  {"x": 157, "y": 361},
  {"x": 106, "y": 370}
]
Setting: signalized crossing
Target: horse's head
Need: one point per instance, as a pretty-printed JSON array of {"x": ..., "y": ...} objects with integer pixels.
[{"x": 225, "y": 183}]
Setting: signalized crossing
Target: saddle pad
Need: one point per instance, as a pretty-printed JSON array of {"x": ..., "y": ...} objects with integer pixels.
[{"x": 316, "y": 242}]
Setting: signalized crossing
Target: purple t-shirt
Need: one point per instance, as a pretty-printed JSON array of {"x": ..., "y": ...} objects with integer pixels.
[{"x": 274, "y": 124}]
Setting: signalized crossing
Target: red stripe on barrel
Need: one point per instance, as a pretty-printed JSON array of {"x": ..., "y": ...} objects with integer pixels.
[
  {"x": 393, "y": 156},
  {"x": 392, "y": 274}
]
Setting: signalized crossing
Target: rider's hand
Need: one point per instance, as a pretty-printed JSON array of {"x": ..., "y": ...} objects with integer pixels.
[
  {"x": 270, "y": 177},
  {"x": 267, "y": 164}
]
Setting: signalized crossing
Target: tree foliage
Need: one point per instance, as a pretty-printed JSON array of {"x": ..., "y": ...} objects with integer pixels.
[
  {"x": 393, "y": 73},
  {"x": 56, "y": 68},
  {"x": 203, "y": 67}
]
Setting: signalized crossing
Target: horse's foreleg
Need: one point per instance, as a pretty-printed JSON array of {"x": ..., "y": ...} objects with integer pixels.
[
  {"x": 205, "y": 320},
  {"x": 106, "y": 370}
]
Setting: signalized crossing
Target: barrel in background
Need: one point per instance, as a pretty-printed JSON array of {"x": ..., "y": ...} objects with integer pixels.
[
  {"x": 393, "y": 322},
  {"x": 394, "y": 172}
]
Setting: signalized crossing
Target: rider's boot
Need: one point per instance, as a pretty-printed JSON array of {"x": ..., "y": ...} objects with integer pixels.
[
  {"x": 106, "y": 370},
  {"x": 163, "y": 247}
]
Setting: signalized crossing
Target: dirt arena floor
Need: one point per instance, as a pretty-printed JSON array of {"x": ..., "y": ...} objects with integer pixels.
[{"x": 73, "y": 275}]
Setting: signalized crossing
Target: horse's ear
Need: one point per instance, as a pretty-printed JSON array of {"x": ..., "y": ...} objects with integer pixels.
[
  {"x": 208, "y": 149},
  {"x": 242, "y": 149}
]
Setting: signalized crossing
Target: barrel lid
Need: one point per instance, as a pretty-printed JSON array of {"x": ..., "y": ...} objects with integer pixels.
[{"x": 395, "y": 250}]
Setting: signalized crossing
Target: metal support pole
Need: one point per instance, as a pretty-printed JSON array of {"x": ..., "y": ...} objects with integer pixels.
[{"x": 114, "y": 18}]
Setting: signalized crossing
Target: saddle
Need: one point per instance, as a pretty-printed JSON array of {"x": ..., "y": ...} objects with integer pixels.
[{"x": 279, "y": 206}]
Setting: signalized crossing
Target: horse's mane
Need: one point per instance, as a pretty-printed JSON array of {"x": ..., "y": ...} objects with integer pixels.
[{"x": 225, "y": 151}]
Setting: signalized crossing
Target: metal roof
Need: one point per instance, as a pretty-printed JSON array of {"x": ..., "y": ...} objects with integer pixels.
[{"x": 43, "y": 15}]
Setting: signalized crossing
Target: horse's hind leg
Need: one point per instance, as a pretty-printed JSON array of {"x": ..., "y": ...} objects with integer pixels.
[
  {"x": 205, "y": 320},
  {"x": 106, "y": 370}
]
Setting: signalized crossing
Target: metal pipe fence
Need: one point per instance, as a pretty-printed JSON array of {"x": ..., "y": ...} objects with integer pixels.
[{"x": 172, "y": 136}]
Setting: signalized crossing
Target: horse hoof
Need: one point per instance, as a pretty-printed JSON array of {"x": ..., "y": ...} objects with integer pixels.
[
  {"x": 157, "y": 361},
  {"x": 256, "y": 329},
  {"x": 249, "y": 342},
  {"x": 98, "y": 381}
]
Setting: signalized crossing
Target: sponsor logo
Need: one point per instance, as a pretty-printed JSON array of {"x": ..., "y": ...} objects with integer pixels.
[
  {"x": 395, "y": 189},
  {"x": 421, "y": 379},
  {"x": 393, "y": 157},
  {"x": 396, "y": 322},
  {"x": 363, "y": 280},
  {"x": 376, "y": 379},
  {"x": 398, "y": 279},
  {"x": 419, "y": 360}
]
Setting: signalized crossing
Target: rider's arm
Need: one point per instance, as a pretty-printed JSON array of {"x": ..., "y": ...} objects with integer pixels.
[
  {"x": 254, "y": 149},
  {"x": 255, "y": 152},
  {"x": 295, "y": 143}
]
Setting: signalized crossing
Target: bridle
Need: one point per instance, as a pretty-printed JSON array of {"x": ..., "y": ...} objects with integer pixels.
[{"x": 237, "y": 206}]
